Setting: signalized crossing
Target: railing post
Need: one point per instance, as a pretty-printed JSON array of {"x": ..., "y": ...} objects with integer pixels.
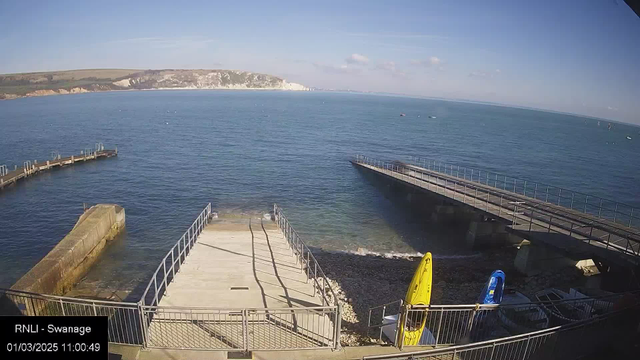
[
  {"x": 530, "y": 220},
  {"x": 524, "y": 192},
  {"x": 615, "y": 213},
  {"x": 546, "y": 199},
  {"x": 62, "y": 307},
  {"x": 400, "y": 326},
  {"x": 559, "y": 196},
  {"x": 245, "y": 330},
  {"x": 439, "y": 327},
  {"x": 173, "y": 263},
  {"x": 308, "y": 268},
  {"x": 524, "y": 355},
  {"x": 143, "y": 324},
  {"x": 155, "y": 285},
  {"x": 586, "y": 201},
  {"x": 338, "y": 325},
  {"x": 535, "y": 192},
  {"x": 315, "y": 277},
  {"x": 630, "y": 217},
  {"x": 572, "y": 197},
  {"x": 323, "y": 291},
  {"x": 164, "y": 266}
]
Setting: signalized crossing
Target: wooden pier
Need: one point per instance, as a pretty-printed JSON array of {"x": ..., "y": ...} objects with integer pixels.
[{"x": 33, "y": 168}]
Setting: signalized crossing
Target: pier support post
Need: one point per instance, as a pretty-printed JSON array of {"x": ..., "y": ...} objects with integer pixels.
[
  {"x": 535, "y": 258},
  {"x": 484, "y": 233}
]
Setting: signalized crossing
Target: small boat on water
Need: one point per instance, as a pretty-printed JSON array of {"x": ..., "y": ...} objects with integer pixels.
[
  {"x": 431, "y": 117},
  {"x": 403, "y": 114},
  {"x": 564, "y": 312},
  {"x": 628, "y": 137},
  {"x": 519, "y": 315}
]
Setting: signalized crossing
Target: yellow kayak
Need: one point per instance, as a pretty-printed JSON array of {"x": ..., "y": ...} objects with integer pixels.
[{"x": 419, "y": 293}]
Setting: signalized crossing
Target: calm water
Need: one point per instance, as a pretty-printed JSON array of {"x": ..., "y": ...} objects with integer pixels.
[{"x": 243, "y": 151}]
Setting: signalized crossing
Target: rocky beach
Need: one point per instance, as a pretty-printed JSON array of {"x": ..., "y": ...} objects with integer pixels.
[{"x": 364, "y": 280}]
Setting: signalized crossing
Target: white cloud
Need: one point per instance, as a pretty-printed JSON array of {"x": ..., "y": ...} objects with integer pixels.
[
  {"x": 498, "y": 71},
  {"x": 431, "y": 61},
  {"x": 390, "y": 67},
  {"x": 612, "y": 108},
  {"x": 336, "y": 69},
  {"x": 357, "y": 59}
]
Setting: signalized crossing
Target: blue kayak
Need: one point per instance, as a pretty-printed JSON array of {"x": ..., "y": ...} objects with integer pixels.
[{"x": 494, "y": 289}]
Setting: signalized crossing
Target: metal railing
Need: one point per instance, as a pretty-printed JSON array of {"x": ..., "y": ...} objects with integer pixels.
[
  {"x": 446, "y": 325},
  {"x": 311, "y": 267},
  {"x": 523, "y": 216},
  {"x": 599, "y": 207},
  {"x": 147, "y": 324},
  {"x": 171, "y": 263},
  {"x": 247, "y": 329},
  {"x": 125, "y": 323},
  {"x": 306, "y": 259},
  {"x": 570, "y": 341}
]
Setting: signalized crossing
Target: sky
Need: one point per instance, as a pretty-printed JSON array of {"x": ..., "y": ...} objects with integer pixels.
[{"x": 576, "y": 56}]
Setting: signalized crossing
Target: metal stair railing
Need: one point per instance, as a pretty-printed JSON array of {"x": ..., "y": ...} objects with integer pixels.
[{"x": 310, "y": 265}]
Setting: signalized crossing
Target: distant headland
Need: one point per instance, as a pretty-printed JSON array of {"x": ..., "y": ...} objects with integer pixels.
[{"x": 91, "y": 80}]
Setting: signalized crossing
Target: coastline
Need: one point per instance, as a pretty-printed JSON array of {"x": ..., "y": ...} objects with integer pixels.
[{"x": 85, "y": 91}]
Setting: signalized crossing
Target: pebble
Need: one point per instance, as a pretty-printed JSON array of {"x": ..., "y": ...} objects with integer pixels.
[{"x": 363, "y": 281}]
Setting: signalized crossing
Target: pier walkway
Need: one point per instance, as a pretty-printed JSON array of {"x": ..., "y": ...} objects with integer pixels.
[
  {"x": 32, "y": 168},
  {"x": 579, "y": 234},
  {"x": 240, "y": 283}
]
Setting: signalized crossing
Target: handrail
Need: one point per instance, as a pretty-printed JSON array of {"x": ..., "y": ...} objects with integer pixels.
[
  {"x": 535, "y": 187},
  {"x": 570, "y": 226},
  {"x": 300, "y": 248},
  {"x": 533, "y": 205},
  {"x": 187, "y": 240},
  {"x": 456, "y": 349}
]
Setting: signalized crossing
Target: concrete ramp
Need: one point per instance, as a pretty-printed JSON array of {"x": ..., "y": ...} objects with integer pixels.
[{"x": 241, "y": 287}]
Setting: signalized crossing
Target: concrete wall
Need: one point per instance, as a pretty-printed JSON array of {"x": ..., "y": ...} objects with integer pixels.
[
  {"x": 63, "y": 266},
  {"x": 535, "y": 258}
]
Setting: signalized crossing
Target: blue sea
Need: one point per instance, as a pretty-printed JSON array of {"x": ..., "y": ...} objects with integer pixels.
[{"x": 245, "y": 150}]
